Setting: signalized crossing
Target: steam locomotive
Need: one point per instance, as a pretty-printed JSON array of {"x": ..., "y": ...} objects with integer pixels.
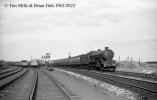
[{"x": 97, "y": 60}]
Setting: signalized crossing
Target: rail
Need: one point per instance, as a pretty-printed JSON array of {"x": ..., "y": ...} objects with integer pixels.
[
  {"x": 32, "y": 94},
  {"x": 151, "y": 77},
  {"x": 8, "y": 70},
  {"x": 144, "y": 88},
  {"x": 10, "y": 73},
  {"x": 7, "y": 81},
  {"x": 63, "y": 90}
]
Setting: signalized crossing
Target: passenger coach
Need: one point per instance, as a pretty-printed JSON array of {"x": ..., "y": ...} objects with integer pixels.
[{"x": 97, "y": 60}]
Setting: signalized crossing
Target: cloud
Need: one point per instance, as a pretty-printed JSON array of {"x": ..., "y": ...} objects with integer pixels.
[
  {"x": 87, "y": 13},
  {"x": 90, "y": 25}
]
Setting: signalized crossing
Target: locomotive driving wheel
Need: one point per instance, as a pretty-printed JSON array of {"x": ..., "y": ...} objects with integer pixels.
[
  {"x": 112, "y": 69},
  {"x": 97, "y": 66}
]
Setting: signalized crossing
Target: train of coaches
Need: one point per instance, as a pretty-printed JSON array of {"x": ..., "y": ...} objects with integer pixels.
[
  {"x": 31, "y": 63},
  {"x": 97, "y": 60}
]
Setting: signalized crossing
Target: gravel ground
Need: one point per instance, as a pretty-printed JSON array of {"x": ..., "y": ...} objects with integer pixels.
[
  {"x": 82, "y": 88},
  {"x": 135, "y": 67}
]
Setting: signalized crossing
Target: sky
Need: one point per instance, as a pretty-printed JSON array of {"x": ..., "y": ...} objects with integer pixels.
[{"x": 128, "y": 27}]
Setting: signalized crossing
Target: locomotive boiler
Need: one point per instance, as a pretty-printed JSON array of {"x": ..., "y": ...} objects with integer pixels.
[
  {"x": 97, "y": 60},
  {"x": 102, "y": 60}
]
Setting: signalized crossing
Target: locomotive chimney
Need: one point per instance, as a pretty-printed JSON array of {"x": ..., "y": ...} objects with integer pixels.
[{"x": 106, "y": 48}]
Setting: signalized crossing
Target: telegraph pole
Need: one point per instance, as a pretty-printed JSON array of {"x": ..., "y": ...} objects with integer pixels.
[
  {"x": 139, "y": 61},
  {"x": 128, "y": 58}
]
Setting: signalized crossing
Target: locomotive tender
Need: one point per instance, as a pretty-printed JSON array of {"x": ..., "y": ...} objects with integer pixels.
[{"x": 97, "y": 60}]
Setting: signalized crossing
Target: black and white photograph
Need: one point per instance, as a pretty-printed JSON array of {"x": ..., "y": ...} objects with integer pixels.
[{"x": 78, "y": 49}]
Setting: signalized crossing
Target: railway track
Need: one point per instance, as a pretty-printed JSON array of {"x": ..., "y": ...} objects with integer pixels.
[
  {"x": 39, "y": 85},
  {"x": 8, "y": 78},
  {"x": 9, "y": 73},
  {"x": 145, "y": 89},
  {"x": 151, "y": 77},
  {"x": 8, "y": 70},
  {"x": 23, "y": 88},
  {"x": 48, "y": 88},
  {"x": 34, "y": 87}
]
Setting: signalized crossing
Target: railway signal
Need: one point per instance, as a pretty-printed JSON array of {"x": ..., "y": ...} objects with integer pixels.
[{"x": 47, "y": 56}]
